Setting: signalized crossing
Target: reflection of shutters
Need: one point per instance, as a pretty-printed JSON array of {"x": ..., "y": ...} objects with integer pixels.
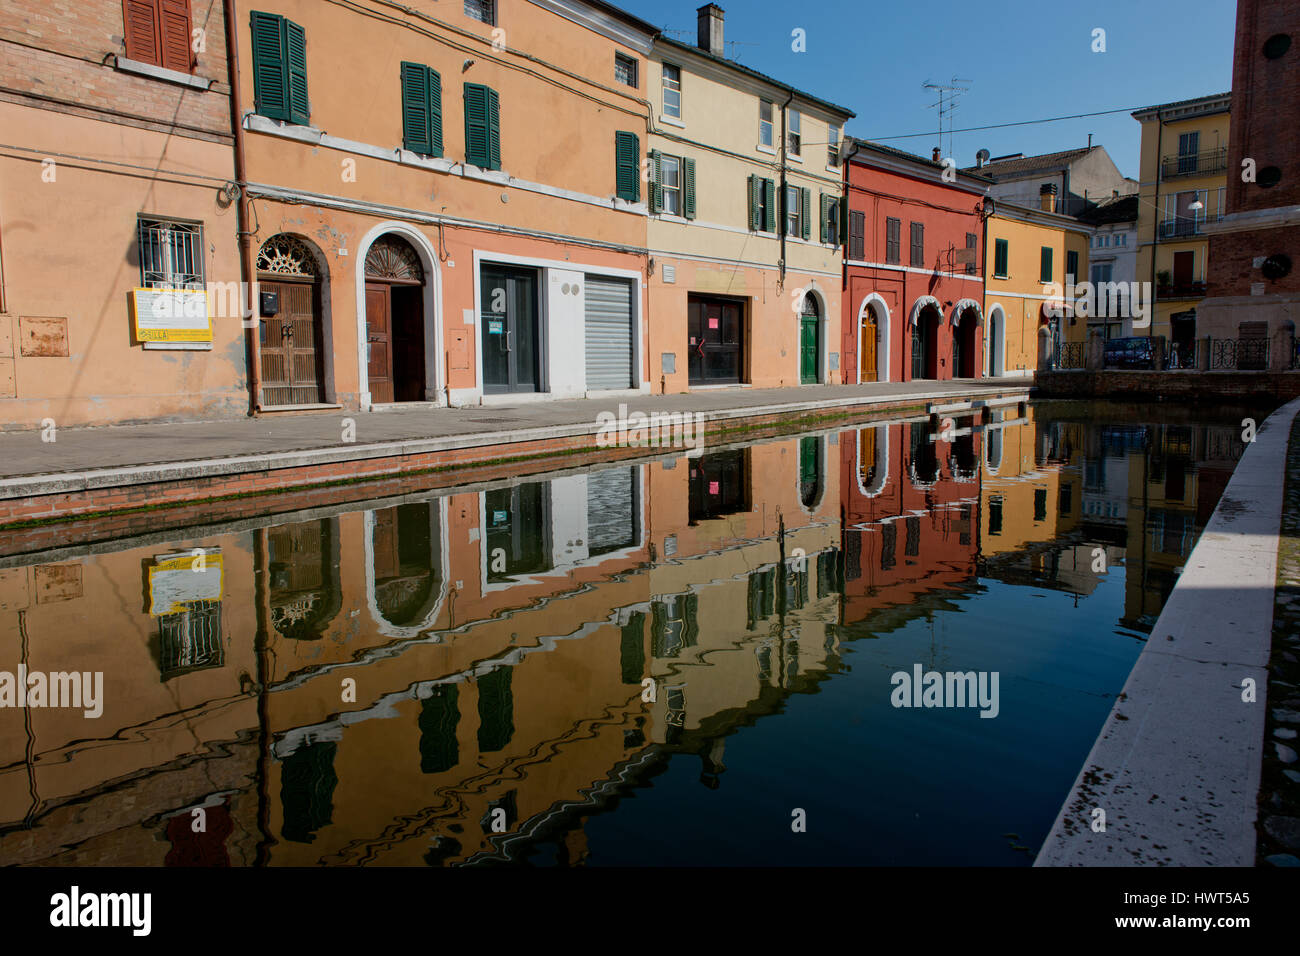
[
  {"x": 611, "y": 510},
  {"x": 439, "y": 715},
  {"x": 307, "y": 783},
  {"x": 609, "y": 333},
  {"x": 496, "y": 710},
  {"x": 632, "y": 649}
]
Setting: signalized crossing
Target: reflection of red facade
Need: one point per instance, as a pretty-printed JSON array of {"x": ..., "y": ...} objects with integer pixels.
[
  {"x": 910, "y": 514},
  {"x": 904, "y": 320}
]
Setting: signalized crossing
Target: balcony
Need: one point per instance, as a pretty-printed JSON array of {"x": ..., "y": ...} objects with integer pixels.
[
  {"x": 1180, "y": 290},
  {"x": 1182, "y": 228},
  {"x": 1195, "y": 164}
]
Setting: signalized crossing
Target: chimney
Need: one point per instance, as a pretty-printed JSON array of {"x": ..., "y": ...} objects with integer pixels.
[
  {"x": 1047, "y": 197},
  {"x": 1090, "y": 141},
  {"x": 935, "y": 155},
  {"x": 710, "y": 29}
]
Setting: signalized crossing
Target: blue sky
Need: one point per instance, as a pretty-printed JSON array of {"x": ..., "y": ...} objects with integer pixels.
[{"x": 1024, "y": 60}]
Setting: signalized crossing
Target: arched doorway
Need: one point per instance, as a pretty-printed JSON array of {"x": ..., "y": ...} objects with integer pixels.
[
  {"x": 996, "y": 347},
  {"x": 925, "y": 342},
  {"x": 290, "y": 330},
  {"x": 809, "y": 340},
  {"x": 869, "y": 344},
  {"x": 407, "y": 584},
  {"x": 395, "y": 364},
  {"x": 965, "y": 340}
]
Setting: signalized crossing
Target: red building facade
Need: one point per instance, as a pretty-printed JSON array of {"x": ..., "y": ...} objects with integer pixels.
[{"x": 913, "y": 276}]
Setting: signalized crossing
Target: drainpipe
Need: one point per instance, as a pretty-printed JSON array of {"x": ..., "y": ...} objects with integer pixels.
[
  {"x": 985, "y": 213},
  {"x": 844, "y": 278},
  {"x": 247, "y": 271},
  {"x": 1155, "y": 232},
  {"x": 784, "y": 213}
]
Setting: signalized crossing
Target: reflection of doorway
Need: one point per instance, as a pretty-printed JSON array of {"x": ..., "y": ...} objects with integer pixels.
[
  {"x": 395, "y": 321},
  {"x": 810, "y": 471},
  {"x": 925, "y": 344},
  {"x": 869, "y": 337},
  {"x": 518, "y": 537},
  {"x": 714, "y": 329},
  {"x": 303, "y": 573},
  {"x": 809, "y": 320},
  {"x": 406, "y": 578},
  {"x": 289, "y": 330},
  {"x": 719, "y": 485},
  {"x": 509, "y": 334}
]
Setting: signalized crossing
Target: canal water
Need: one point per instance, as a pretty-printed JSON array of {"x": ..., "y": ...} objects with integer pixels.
[{"x": 687, "y": 660}]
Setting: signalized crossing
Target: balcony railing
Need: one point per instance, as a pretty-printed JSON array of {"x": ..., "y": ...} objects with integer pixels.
[
  {"x": 1195, "y": 164},
  {"x": 1181, "y": 290},
  {"x": 1182, "y": 227}
]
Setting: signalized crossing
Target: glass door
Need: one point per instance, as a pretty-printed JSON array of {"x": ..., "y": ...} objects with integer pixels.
[{"x": 509, "y": 330}]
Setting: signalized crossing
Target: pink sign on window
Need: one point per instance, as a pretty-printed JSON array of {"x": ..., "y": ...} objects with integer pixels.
[
  {"x": 713, "y": 323},
  {"x": 713, "y": 487}
]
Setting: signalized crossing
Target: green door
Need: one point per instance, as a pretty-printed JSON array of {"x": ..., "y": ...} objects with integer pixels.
[{"x": 808, "y": 350}]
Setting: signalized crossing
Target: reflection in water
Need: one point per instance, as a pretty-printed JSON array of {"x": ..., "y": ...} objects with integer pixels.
[{"x": 491, "y": 674}]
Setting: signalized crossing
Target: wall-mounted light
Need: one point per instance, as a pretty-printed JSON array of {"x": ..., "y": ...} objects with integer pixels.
[{"x": 466, "y": 65}]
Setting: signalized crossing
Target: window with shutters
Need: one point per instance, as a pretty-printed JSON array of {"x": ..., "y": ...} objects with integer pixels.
[
  {"x": 482, "y": 126},
  {"x": 625, "y": 70},
  {"x": 421, "y": 109},
  {"x": 1001, "y": 255},
  {"x": 672, "y": 81},
  {"x": 1045, "y": 264},
  {"x": 171, "y": 254},
  {"x": 1071, "y": 266},
  {"x": 893, "y": 241},
  {"x": 971, "y": 241},
  {"x": 857, "y": 235},
  {"x": 918, "y": 245},
  {"x": 830, "y": 220},
  {"x": 793, "y": 208},
  {"x": 762, "y": 204},
  {"x": 670, "y": 184},
  {"x": 158, "y": 32},
  {"x": 280, "y": 69},
  {"x": 484, "y": 11},
  {"x": 627, "y": 166}
]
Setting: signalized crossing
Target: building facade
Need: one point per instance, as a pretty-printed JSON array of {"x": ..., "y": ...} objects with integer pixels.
[
  {"x": 1183, "y": 187},
  {"x": 115, "y": 183},
  {"x": 1082, "y": 177},
  {"x": 743, "y": 236},
  {"x": 915, "y": 311},
  {"x": 445, "y": 203},
  {"x": 1033, "y": 256},
  {"x": 1254, "y": 284},
  {"x": 1112, "y": 259}
]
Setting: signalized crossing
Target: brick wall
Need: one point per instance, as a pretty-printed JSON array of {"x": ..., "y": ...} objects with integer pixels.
[{"x": 58, "y": 54}]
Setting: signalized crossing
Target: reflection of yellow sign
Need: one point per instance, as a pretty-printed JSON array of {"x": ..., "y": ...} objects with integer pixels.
[
  {"x": 170, "y": 316},
  {"x": 176, "y": 580}
]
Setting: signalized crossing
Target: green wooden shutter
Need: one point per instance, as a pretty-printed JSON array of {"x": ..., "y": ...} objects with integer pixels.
[
  {"x": 825, "y": 217},
  {"x": 627, "y": 172},
  {"x": 494, "y": 129},
  {"x": 769, "y": 206},
  {"x": 805, "y": 211},
  {"x": 656, "y": 190},
  {"x": 688, "y": 187},
  {"x": 755, "y": 203},
  {"x": 415, "y": 108},
  {"x": 435, "y": 113},
  {"x": 269, "y": 77},
  {"x": 1045, "y": 265},
  {"x": 1000, "y": 257},
  {"x": 295, "y": 56},
  {"x": 476, "y": 125}
]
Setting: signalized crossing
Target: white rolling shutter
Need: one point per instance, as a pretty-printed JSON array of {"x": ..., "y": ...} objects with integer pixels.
[{"x": 609, "y": 333}]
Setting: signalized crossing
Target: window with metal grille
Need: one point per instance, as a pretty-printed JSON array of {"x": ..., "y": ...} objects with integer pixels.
[
  {"x": 893, "y": 240},
  {"x": 485, "y": 11},
  {"x": 171, "y": 254},
  {"x": 625, "y": 70},
  {"x": 918, "y": 244}
]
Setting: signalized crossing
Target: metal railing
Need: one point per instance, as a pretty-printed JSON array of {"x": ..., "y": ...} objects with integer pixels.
[
  {"x": 1239, "y": 355},
  {"x": 1195, "y": 164},
  {"x": 1070, "y": 355},
  {"x": 1181, "y": 227}
]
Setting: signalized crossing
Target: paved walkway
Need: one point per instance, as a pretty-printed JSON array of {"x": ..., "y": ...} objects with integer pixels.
[
  {"x": 79, "y": 454},
  {"x": 1176, "y": 768}
]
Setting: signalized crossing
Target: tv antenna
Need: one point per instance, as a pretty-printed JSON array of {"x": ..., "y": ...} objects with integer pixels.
[
  {"x": 949, "y": 94},
  {"x": 689, "y": 37}
]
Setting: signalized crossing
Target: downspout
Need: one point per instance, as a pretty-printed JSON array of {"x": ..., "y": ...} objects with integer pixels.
[
  {"x": 247, "y": 271},
  {"x": 1155, "y": 231},
  {"x": 784, "y": 213},
  {"x": 985, "y": 213},
  {"x": 856, "y": 333}
]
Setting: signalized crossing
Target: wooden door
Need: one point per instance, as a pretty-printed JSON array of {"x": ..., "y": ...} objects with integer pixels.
[
  {"x": 1184, "y": 266},
  {"x": 808, "y": 350},
  {"x": 867, "y": 360},
  {"x": 379, "y": 342},
  {"x": 288, "y": 345}
]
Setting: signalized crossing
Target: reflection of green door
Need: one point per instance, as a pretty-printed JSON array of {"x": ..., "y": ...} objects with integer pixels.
[{"x": 808, "y": 350}]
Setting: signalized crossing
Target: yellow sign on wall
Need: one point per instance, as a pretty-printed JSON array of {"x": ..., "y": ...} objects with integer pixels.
[{"x": 172, "y": 318}]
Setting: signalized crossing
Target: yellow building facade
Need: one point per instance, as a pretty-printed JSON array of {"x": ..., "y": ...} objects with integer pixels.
[
  {"x": 1183, "y": 185},
  {"x": 1032, "y": 253}
]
